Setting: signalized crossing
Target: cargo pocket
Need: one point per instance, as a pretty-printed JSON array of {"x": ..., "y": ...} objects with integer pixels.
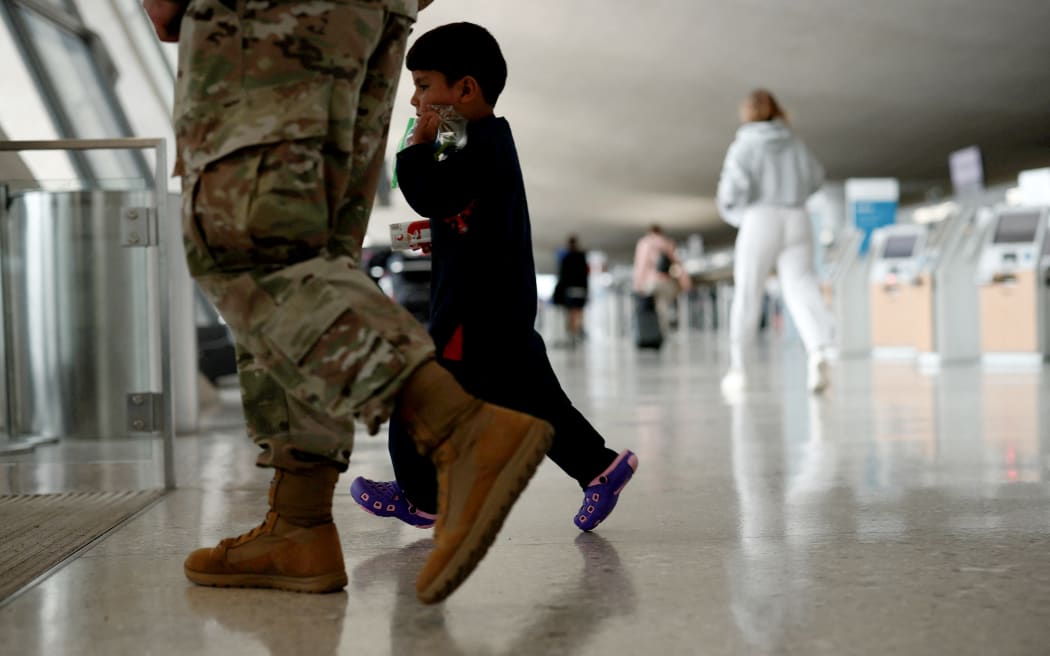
[
  {"x": 299, "y": 322},
  {"x": 314, "y": 350},
  {"x": 287, "y": 217},
  {"x": 264, "y": 205}
]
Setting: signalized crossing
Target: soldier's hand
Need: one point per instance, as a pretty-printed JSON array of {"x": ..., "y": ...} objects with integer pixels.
[
  {"x": 166, "y": 16},
  {"x": 426, "y": 128}
]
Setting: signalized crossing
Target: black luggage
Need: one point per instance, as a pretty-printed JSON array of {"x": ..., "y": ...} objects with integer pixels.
[{"x": 647, "y": 332}]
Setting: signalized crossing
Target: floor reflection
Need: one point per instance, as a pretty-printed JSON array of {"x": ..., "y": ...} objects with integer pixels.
[
  {"x": 601, "y": 591},
  {"x": 284, "y": 623},
  {"x": 903, "y": 511},
  {"x": 890, "y": 456},
  {"x": 760, "y": 579},
  {"x": 1010, "y": 425}
]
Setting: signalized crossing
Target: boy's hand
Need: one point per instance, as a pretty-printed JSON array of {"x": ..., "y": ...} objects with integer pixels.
[{"x": 426, "y": 128}]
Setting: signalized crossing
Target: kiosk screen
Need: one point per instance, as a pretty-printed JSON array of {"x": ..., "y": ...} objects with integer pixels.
[
  {"x": 1017, "y": 228},
  {"x": 900, "y": 246}
]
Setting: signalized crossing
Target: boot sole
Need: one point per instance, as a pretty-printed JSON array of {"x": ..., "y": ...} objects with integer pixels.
[
  {"x": 311, "y": 584},
  {"x": 506, "y": 489}
]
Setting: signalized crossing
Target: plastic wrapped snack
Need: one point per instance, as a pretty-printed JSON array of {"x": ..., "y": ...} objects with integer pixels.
[{"x": 452, "y": 132}]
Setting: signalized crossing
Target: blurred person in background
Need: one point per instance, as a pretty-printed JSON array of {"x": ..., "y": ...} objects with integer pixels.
[
  {"x": 570, "y": 292},
  {"x": 657, "y": 273},
  {"x": 767, "y": 176}
]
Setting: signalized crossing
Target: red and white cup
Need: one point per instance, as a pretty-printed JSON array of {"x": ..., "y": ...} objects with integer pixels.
[{"x": 411, "y": 235}]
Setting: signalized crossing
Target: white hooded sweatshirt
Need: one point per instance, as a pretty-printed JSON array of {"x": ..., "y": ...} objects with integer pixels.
[{"x": 766, "y": 165}]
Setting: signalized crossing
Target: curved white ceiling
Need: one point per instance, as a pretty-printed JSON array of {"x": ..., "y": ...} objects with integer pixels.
[{"x": 623, "y": 110}]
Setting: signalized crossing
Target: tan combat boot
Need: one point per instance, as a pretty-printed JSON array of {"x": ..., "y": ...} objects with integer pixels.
[
  {"x": 485, "y": 455},
  {"x": 296, "y": 548}
]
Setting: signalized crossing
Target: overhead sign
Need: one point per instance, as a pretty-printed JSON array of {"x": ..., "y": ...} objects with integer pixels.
[{"x": 966, "y": 168}]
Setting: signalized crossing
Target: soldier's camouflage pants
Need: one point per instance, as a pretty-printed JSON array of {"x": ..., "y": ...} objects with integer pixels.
[{"x": 276, "y": 208}]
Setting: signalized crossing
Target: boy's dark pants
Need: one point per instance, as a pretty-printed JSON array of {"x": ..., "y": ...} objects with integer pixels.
[{"x": 528, "y": 385}]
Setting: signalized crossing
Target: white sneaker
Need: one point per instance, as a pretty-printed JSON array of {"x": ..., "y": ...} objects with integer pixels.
[
  {"x": 734, "y": 381},
  {"x": 818, "y": 374}
]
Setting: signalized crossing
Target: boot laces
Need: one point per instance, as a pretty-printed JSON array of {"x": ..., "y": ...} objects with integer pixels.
[{"x": 246, "y": 537}]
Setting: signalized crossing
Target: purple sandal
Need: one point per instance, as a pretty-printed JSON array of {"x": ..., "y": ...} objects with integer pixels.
[
  {"x": 601, "y": 495},
  {"x": 387, "y": 500}
]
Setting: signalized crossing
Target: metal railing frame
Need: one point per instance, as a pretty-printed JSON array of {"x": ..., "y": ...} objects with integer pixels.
[{"x": 160, "y": 191}]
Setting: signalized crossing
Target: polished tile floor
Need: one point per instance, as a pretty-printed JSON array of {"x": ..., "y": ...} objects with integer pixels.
[{"x": 902, "y": 513}]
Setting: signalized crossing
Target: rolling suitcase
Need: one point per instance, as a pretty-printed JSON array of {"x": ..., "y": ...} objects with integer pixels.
[{"x": 647, "y": 332}]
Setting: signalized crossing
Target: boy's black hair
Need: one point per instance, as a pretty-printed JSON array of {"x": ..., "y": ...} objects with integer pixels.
[{"x": 457, "y": 50}]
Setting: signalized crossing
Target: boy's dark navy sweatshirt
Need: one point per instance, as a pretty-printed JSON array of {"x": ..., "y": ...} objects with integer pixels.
[
  {"x": 483, "y": 286},
  {"x": 483, "y": 300}
]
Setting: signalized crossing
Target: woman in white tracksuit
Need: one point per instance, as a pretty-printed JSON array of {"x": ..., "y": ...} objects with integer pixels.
[{"x": 767, "y": 176}]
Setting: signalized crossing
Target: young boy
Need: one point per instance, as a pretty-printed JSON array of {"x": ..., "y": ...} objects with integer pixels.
[{"x": 483, "y": 289}]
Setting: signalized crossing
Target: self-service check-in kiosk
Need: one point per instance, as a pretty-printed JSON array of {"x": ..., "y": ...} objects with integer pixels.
[
  {"x": 952, "y": 258},
  {"x": 900, "y": 291},
  {"x": 1012, "y": 285},
  {"x": 923, "y": 297},
  {"x": 844, "y": 285}
]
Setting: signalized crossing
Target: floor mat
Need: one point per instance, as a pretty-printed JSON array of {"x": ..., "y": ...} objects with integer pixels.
[{"x": 39, "y": 531}]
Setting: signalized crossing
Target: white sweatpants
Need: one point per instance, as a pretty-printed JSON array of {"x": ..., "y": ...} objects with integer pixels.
[{"x": 781, "y": 236}]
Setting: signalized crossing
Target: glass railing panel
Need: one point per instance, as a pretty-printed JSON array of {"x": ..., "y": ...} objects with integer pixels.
[{"x": 86, "y": 397}]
